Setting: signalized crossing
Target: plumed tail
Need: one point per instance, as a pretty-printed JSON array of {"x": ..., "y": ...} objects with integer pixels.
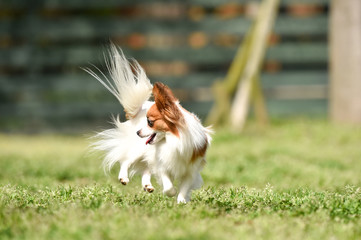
[{"x": 131, "y": 89}]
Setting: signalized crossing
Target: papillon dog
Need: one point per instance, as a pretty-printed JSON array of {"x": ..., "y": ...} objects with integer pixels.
[{"x": 159, "y": 137}]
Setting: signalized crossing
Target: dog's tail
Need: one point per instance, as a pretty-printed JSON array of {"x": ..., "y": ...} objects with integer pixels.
[{"x": 131, "y": 89}]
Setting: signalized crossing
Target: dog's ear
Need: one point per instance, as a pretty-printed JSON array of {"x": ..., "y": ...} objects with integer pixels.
[{"x": 166, "y": 103}]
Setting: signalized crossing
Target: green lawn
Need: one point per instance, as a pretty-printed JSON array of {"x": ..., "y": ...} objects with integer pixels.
[{"x": 297, "y": 179}]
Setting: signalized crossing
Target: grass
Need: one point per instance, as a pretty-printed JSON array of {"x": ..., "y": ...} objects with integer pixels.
[{"x": 294, "y": 180}]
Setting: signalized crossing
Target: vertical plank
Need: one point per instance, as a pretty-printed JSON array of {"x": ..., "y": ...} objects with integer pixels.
[{"x": 345, "y": 61}]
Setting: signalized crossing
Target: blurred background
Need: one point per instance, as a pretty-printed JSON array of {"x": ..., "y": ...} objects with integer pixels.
[{"x": 185, "y": 44}]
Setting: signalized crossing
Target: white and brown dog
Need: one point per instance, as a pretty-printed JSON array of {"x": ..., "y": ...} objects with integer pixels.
[{"x": 160, "y": 137}]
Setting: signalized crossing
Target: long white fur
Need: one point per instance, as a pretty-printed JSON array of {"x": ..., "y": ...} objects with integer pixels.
[
  {"x": 131, "y": 90},
  {"x": 170, "y": 158},
  {"x": 121, "y": 143}
]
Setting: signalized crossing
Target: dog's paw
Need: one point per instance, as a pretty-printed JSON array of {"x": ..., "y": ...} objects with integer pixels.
[
  {"x": 170, "y": 192},
  {"x": 124, "y": 181},
  {"x": 182, "y": 200},
  {"x": 148, "y": 188}
]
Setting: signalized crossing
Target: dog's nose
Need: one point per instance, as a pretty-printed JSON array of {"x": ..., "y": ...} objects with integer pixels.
[{"x": 138, "y": 133}]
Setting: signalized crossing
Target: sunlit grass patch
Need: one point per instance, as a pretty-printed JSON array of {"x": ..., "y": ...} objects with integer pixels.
[{"x": 293, "y": 180}]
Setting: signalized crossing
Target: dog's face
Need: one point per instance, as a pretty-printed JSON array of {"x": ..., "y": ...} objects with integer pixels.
[{"x": 163, "y": 116}]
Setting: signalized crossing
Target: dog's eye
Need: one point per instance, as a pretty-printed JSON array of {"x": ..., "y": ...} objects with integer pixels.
[{"x": 150, "y": 123}]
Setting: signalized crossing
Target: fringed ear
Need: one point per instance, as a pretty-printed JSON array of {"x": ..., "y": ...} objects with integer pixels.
[{"x": 166, "y": 103}]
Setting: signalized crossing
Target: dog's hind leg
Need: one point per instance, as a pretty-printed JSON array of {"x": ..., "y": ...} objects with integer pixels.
[
  {"x": 197, "y": 181},
  {"x": 168, "y": 188},
  {"x": 146, "y": 183},
  {"x": 185, "y": 188}
]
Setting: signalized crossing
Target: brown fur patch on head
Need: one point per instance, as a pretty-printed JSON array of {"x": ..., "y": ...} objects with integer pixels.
[
  {"x": 158, "y": 121},
  {"x": 167, "y": 103}
]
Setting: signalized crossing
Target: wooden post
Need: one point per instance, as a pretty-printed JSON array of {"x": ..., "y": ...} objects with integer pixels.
[
  {"x": 243, "y": 74},
  {"x": 259, "y": 103},
  {"x": 240, "y": 105},
  {"x": 224, "y": 90},
  {"x": 345, "y": 61}
]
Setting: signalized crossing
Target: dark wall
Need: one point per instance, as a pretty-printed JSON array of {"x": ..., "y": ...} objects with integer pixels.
[{"x": 185, "y": 44}]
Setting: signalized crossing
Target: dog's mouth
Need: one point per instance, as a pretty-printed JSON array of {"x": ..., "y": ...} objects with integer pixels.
[{"x": 150, "y": 139}]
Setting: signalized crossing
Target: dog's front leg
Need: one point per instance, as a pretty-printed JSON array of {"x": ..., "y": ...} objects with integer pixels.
[
  {"x": 168, "y": 188},
  {"x": 123, "y": 173},
  {"x": 146, "y": 183}
]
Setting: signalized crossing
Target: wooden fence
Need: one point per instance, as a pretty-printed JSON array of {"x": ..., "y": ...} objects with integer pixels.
[{"x": 185, "y": 44}]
